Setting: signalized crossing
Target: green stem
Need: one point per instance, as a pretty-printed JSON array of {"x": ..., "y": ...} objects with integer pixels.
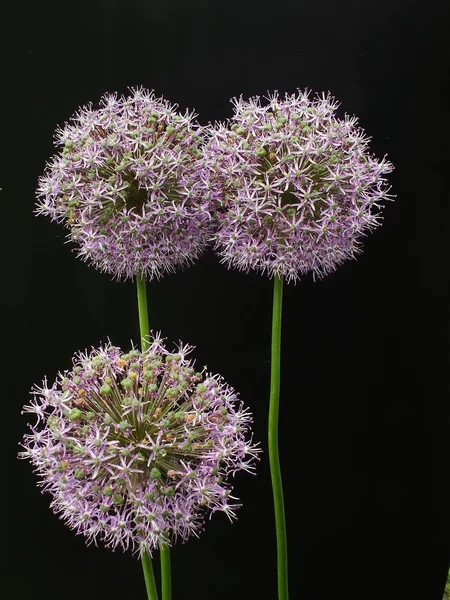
[
  {"x": 274, "y": 458},
  {"x": 143, "y": 313},
  {"x": 166, "y": 591},
  {"x": 166, "y": 585},
  {"x": 147, "y": 567}
]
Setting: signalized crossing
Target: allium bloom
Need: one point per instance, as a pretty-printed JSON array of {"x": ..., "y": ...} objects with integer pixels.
[
  {"x": 126, "y": 185},
  {"x": 135, "y": 447},
  {"x": 295, "y": 186}
]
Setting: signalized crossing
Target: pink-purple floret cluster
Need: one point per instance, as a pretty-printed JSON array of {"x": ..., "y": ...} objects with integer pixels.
[
  {"x": 135, "y": 448},
  {"x": 294, "y": 185},
  {"x": 284, "y": 188},
  {"x": 126, "y": 183}
]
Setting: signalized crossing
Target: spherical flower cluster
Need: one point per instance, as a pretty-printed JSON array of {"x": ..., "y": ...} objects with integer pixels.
[
  {"x": 126, "y": 184},
  {"x": 135, "y": 447},
  {"x": 295, "y": 186}
]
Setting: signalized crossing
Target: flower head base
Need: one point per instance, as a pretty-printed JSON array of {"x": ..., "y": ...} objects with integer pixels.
[
  {"x": 295, "y": 186},
  {"x": 126, "y": 184},
  {"x": 136, "y": 447}
]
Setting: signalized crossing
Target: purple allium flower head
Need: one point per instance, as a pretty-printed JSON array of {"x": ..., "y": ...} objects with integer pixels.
[
  {"x": 295, "y": 186},
  {"x": 126, "y": 184},
  {"x": 135, "y": 447}
]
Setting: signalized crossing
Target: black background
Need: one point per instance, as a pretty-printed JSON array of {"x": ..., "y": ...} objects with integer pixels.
[{"x": 365, "y": 422}]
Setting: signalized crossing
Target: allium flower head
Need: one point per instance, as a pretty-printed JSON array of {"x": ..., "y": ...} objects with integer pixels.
[
  {"x": 136, "y": 447},
  {"x": 126, "y": 185},
  {"x": 295, "y": 186}
]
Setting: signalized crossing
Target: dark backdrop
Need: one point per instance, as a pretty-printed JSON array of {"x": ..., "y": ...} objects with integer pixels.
[{"x": 365, "y": 417}]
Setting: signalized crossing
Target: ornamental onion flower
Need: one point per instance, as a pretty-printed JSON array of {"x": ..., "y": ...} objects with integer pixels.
[
  {"x": 136, "y": 447},
  {"x": 126, "y": 185},
  {"x": 295, "y": 186}
]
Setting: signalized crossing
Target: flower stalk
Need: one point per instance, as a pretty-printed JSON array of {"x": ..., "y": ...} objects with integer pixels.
[
  {"x": 166, "y": 580},
  {"x": 143, "y": 313},
  {"x": 166, "y": 586},
  {"x": 149, "y": 576},
  {"x": 274, "y": 458}
]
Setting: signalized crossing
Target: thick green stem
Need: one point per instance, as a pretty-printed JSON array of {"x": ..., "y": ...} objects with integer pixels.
[
  {"x": 143, "y": 313},
  {"x": 274, "y": 458},
  {"x": 166, "y": 587},
  {"x": 147, "y": 567},
  {"x": 166, "y": 584}
]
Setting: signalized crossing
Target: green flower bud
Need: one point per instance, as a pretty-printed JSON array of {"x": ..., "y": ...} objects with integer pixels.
[
  {"x": 108, "y": 420},
  {"x": 75, "y": 414},
  {"x": 155, "y": 473}
]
